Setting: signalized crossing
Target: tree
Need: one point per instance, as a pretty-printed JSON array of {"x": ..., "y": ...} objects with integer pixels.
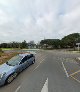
[
  {"x": 69, "y": 40},
  {"x": 23, "y": 44},
  {"x": 3, "y": 45},
  {"x": 52, "y": 43},
  {"x": 31, "y": 44}
]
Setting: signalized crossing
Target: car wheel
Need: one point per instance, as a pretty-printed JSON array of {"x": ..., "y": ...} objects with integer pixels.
[
  {"x": 11, "y": 78},
  {"x": 33, "y": 61}
]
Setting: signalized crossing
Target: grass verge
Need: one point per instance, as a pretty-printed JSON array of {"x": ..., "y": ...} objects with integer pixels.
[{"x": 6, "y": 56}]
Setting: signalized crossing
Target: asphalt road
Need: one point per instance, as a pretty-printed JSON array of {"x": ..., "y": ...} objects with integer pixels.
[{"x": 48, "y": 66}]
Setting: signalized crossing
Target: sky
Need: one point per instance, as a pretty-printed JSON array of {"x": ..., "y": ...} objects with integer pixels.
[{"x": 38, "y": 19}]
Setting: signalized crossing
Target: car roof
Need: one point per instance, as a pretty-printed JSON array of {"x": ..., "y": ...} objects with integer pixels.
[{"x": 26, "y": 54}]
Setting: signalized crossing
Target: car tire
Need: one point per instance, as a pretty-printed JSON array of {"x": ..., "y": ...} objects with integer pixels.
[
  {"x": 33, "y": 61},
  {"x": 11, "y": 78}
]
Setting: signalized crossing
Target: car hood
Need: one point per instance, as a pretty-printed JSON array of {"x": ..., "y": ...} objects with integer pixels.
[{"x": 5, "y": 68}]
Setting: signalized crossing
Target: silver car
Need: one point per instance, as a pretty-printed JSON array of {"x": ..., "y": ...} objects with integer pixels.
[{"x": 10, "y": 69}]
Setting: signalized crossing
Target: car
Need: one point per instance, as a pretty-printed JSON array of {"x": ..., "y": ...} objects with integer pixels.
[{"x": 10, "y": 69}]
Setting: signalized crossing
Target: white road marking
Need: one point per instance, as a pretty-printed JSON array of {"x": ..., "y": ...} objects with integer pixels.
[
  {"x": 45, "y": 87},
  {"x": 65, "y": 70},
  {"x": 40, "y": 59},
  {"x": 18, "y": 88},
  {"x": 75, "y": 79},
  {"x": 78, "y": 58},
  {"x": 74, "y": 73},
  {"x": 38, "y": 64}
]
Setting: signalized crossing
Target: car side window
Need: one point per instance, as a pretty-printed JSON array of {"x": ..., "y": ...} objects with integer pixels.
[
  {"x": 24, "y": 59},
  {"x": 30, "y": 56}
]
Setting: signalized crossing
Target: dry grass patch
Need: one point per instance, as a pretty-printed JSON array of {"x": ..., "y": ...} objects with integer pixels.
[{"x": 6, "y": 56}]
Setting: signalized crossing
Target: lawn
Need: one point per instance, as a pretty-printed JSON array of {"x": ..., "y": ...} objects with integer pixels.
[{"x": 9, "y": 48}]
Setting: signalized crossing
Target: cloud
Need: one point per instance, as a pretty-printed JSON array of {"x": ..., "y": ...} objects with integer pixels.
[
  {"x": 69, "y": 21},
  {"x": 36, "y": 19}
]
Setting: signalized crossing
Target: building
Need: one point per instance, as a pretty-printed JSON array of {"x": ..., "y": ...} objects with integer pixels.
[{"x": 77, "y": 45}]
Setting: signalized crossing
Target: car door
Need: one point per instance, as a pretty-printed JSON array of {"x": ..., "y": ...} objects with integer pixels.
[
  {"x": 30, "y": 59},
  {"x": 24, "y": 62}
]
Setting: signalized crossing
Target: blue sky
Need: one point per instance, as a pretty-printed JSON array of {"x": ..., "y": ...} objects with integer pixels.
[{"x": 35, "y": 19}]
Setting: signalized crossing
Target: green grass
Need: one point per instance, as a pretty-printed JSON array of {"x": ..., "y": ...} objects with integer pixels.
[
  {"x": 76, "y": 51},
  {"x": 17, "y": 49},
  {"x": 9, "y": 48},
  {"x": 31, "y": 49},
  {"x": 0, "y": 53}
]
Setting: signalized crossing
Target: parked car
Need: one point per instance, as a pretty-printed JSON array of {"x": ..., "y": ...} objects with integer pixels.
[{"x": 10, "y": 69}]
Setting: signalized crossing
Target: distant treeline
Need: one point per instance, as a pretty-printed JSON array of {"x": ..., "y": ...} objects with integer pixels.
[
  {"x": 68, "y": 41},
  {"x": 14, "y": 44}
]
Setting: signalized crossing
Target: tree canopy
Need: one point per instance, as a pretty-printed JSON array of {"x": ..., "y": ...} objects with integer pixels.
[
  {"x": 14, "y": 45},
  {"x": 66, "y": 42},
  {"x": 54, "y": 43},
  {"x": 69, "y": 40}
]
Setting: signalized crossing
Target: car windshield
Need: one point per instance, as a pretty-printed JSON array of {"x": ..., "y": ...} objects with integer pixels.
[{"x": 14, "y": 61}]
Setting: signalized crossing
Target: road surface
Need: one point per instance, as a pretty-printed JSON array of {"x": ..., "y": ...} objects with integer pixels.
[{"x": 47, "y": 69}]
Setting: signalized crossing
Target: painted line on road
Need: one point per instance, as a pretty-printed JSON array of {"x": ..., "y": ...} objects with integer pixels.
[
  {"x": 74, "y": 73},
  {"x": 39, "y": 59},
  {"x": 75, "y": 79},
  {"x": 71, "y": 75},
  {"x": 65, "y": 70},
  {"x": 18, "y": 88},
  {"x": 45, "y": 87},
  {"x": 38, "y": 64},
  {"x": 42, "y": 59}
]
